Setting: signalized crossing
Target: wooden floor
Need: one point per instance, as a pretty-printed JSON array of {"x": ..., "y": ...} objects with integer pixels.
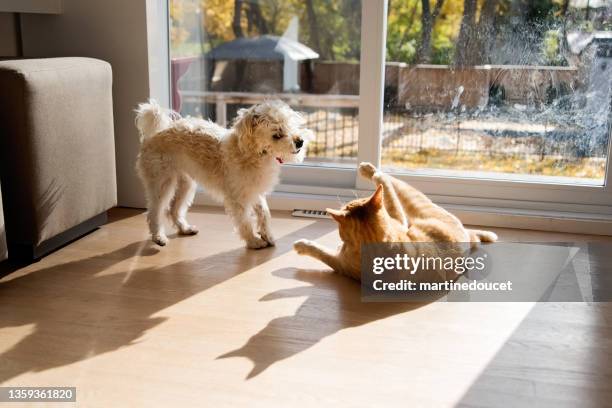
[{"x": 205, "y": 322}]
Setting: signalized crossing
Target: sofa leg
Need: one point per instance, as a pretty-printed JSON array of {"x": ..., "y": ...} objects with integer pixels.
[{"x": 36, "y": 252}]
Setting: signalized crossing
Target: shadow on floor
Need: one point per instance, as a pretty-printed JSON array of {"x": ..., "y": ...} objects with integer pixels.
[
  {"x": 48, "y": 203},
  {"x": 333, "y": 303},
  {"x": 78, "y": 313}
]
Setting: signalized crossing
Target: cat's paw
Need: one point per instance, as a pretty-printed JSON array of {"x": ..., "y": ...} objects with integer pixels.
[
  {"x": 302, "y": 246},
  {"x": 367, "y": 170}
]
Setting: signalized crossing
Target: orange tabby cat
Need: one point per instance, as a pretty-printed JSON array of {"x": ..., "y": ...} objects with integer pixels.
[{"x": 396, "y": 212}]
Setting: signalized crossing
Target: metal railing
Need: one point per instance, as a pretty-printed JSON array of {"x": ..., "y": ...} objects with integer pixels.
[{"x": 334, "y": 121}]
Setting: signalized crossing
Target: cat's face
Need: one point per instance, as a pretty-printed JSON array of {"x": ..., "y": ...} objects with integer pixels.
[{"x": 357, "y": 219}]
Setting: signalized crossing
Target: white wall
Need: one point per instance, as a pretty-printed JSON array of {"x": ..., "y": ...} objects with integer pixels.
[{"x": 114, "y": 31}]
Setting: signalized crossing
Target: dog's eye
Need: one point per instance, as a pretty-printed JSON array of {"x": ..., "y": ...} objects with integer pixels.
[{"x": 278, "y": 136}]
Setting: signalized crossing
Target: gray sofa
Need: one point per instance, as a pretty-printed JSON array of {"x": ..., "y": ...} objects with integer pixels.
[
  {"x": 57, "y": 154},
  {"x": 3, "y": 251}
]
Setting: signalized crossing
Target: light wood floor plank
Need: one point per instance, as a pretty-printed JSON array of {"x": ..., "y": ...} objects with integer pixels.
[{"x": 205, "y": 322}]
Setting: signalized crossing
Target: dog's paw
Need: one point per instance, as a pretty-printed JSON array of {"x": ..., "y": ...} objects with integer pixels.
[
  {"x": 367, "y": 170},
  {"x": 302, "y": 246},
  {"x": 267, "y": 236},
  {"x": 189, "y": 230},
  {"x": 256, "y": 243},
  {"x": 160, "y": 240}
]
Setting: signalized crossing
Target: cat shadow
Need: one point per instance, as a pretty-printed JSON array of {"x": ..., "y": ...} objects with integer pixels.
[
  {"x": 333, "y": 303},
  {"x": 78, "y": 310}
]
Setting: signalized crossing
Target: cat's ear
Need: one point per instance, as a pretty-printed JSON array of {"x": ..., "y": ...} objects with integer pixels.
[
  {"x": 376, "y": 201},
  {"x": 338, "y": 215}
]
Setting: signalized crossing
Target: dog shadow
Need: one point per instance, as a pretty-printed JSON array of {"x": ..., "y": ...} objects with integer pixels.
[
  {"x": 333, "y": 303},
  {"x": 77, "y": 312}
]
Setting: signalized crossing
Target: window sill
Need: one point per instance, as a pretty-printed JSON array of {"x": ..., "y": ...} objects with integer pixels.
[{"x": 481, "y": 214}]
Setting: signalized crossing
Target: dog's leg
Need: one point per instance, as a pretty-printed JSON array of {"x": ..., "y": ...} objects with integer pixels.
[
  {"x": 262, "y": 213},
  {"x": 160, "y": 193},
  {"x": 311, "y": 248},
  {"x": 183, "y": 198},
  {"x": 242, "y": 219}
]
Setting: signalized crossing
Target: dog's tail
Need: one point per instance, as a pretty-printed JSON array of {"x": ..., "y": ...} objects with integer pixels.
[{"x": 152, "y": 119}]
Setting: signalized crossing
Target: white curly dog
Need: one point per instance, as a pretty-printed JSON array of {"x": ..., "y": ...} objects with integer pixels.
[{"x": 236, "y": 165}]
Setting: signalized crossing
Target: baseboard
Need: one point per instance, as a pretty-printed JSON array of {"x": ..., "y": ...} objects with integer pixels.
[
  {"x": 554, "y": 221},
  {"x": 35, "y": 252}
]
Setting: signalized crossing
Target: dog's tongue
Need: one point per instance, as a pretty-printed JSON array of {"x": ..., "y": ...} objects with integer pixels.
[{"x": 279, "y": 160}]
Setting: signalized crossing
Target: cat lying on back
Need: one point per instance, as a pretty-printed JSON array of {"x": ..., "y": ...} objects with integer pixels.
[{"x": 396, "y": 212}]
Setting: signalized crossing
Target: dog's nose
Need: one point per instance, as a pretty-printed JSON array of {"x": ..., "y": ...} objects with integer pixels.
[{"x": 299, "y": 142}]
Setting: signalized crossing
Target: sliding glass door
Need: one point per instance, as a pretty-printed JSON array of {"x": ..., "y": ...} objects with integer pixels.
[{"x": 493, "y": 103}]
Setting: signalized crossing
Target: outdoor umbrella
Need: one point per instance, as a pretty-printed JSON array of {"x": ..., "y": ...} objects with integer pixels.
[{"x": 265, "y": 47}]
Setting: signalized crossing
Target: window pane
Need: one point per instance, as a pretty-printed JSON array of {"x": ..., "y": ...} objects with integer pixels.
[
  {"x": 499, "y": 88},
  {"x": 227, "y": 54}
]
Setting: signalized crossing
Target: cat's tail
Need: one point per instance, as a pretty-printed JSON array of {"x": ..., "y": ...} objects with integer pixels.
[{"x": 477, "y": 236}]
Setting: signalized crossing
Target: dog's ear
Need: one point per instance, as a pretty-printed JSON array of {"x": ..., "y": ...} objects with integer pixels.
[
  {"x": 245, "y": 123},
  {"x": 245, "y": 126}
]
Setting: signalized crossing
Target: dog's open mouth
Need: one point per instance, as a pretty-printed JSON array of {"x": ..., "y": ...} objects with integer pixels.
[{"x": 280, "y": 159}]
